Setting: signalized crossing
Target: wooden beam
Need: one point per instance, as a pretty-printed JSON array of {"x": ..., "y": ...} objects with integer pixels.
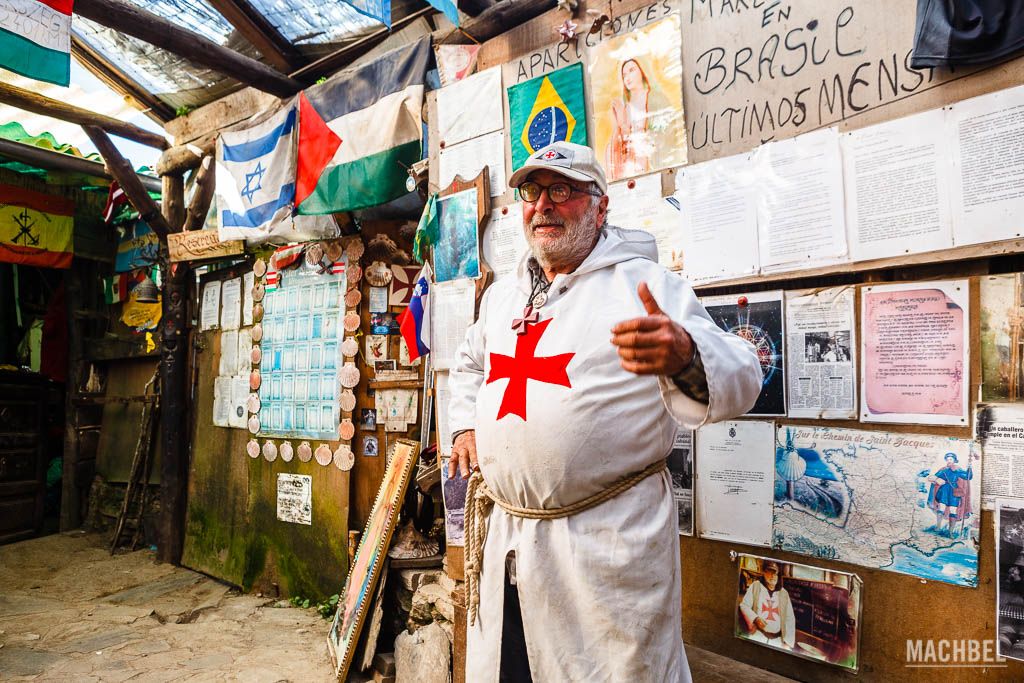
[
  {"x": 496, "y": 19},
  {"x": 202, "y": 195},
  {"x": 134, "y": 21},
  {"x": 148, "y": 103},
  {"x": 30, "y": 101},
  {"x": 339, "y": 59},
  {"x": 129, "y": 181},
  {"x": 275, "y": 48},
  {"x": 183, "y": 158},
  {"x": 57, "y": 161}
]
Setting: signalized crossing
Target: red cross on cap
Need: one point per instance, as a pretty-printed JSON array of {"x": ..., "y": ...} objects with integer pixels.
[{"x": 550, "y": 154}]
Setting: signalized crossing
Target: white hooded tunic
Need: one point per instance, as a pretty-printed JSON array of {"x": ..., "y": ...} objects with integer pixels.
[{"x": 557, "y": 419}]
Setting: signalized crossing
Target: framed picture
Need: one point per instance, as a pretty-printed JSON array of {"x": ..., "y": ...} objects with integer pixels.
[{"x": 362, "y": 580}]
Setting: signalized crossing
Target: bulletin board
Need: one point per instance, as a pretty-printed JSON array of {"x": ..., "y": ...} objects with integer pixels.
[{"x": 856, "y": 73}]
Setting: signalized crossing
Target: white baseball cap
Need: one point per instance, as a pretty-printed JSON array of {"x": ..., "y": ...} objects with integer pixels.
[{"x": 566, "y": 158}]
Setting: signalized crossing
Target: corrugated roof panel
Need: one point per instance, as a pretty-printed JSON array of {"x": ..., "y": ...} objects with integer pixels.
[{"x": 309, "y": 25}]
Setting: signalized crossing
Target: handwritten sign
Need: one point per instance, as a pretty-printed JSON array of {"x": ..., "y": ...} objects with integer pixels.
[{"x": 199, "y": 245}]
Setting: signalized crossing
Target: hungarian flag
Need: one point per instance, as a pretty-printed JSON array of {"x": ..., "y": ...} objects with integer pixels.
[
  {"x": 36, "y": 229},
  {"x": 35, "y": 39},
  {"x": 360, "y": 131}
]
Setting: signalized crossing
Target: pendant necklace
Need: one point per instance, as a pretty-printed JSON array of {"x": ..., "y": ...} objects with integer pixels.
[{"x": 538, "y": 297}]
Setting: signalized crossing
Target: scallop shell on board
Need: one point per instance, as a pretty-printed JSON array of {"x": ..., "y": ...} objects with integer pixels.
[
  {"x": 259, "y": 268},
  {"x": 253, "y": 403},
  {"x": 410, "y": 544},
  {"x": 352, "y": 298},
  {"x": 351, "y": 322},
  {"x": 334, "y": 250},
  {"x": 355, "y": 249},
  {"x": 256, "y": 355},
  {"x": 304, "y": 451},
  {"x": 257, "y": 313},
  {"x": 379, "y": 274},
  {"x": 347, "y": 401},
  {"x": 257, "y": 332},
  {"x": 323, "y": 455},
  {"x": 253, "y": 448},
  {"x": 354, "y": 273},
  {"x": 315, "y": 255},
  {"x": 346, "y": 430},
  {"x": 349, "y": 347},
  {"x": 270, "y": 451},
  {"x": 349, "y": 375},
  {"x": 255, "y": 379},
  {"x": 344, "y": 458},
  {"x": 254, "y": 425},
  {"x": 286, "y": 451},
  {"x": 258, "y": 292}
]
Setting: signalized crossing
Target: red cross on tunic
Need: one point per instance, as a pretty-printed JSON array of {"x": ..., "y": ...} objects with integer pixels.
[
  {"x": 769, "y": 610},
  {"x": 526, "y": 365}
]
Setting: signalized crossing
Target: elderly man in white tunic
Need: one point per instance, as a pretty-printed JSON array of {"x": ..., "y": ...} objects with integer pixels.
[{"x": 566, "y": 396}]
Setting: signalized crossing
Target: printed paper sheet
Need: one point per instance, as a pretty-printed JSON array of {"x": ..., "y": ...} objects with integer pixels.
[
  {"x": 821, "y": 344},
  {"x": 451, "y": 314},
  {"x": 471, "y": 107},
  {"x": 638, "y": 205},
  {"x": 999, "y": 428}
]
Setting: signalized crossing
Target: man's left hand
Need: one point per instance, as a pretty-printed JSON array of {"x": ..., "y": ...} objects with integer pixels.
[{"x": 654, "y": 344}]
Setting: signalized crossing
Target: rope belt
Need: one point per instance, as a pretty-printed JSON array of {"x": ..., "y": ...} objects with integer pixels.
[{"x": 480, "y": 499}]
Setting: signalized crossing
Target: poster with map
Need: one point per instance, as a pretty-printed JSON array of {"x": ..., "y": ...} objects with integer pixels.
[{"x": 906, "y": 503}]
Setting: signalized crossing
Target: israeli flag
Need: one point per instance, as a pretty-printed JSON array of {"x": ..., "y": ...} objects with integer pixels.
[{"x": 255, "y": 184}]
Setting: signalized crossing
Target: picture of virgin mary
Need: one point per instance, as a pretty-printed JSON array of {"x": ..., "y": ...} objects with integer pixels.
[{"x": 642, "y": 121}]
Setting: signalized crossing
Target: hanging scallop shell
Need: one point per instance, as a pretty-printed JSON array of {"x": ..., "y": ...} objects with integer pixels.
[
  {"x": 257, "y": 332},
  {"x": 270, "y": 451},
  {"x": 791, "y": 466},
  {"x": 253, "y": 403},
  {"x": 255, "y": 380},
  {"x": 355, "y": 249},
  {"x": 259, "y": 268},
  {"x": 258, "y": 292},
  {"x": 347, "y": 401},
  {"x": 379, "y": 274},
  {"x": 334, "y": 250},
  {"x": 352, "y": 298},
  {"x": 323, "y": 455},
  {"x": 254, "y": 425},
  {"x": 253, "y": 448},
  {"x": 315, "y": 255},
  {"x": 351, "y": 322},
  {"x": 349, "y": 375},
  {"x": 343, "y": 458},
  {"x": 349, "y": 347},
  {"x": 410, "y": 544},
  {"x": 304, "y": 451},
  {"x": 346, "y": 430},
  {"x": 286, "y": 451},
  {"x": 256, "y": 355},
  {"x": 257, "y": 312},
  {"x": 354, "y": 273}
]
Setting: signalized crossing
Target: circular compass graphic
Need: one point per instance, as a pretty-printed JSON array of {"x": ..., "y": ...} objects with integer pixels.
[{"x": 767, "y": 353}]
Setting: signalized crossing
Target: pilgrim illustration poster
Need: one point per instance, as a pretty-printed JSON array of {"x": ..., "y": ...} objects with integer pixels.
[{"x": 636, "y": 94}]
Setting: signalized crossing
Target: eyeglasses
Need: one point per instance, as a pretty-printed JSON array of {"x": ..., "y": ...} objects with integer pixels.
[{"x": 557, "y": 192}]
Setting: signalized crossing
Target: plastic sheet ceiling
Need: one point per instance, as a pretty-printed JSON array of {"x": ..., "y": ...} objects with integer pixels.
[{"x": 313, "y": 26}]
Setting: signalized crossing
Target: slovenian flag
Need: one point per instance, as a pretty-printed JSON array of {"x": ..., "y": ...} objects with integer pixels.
[
  {"x": 255, "y": 184},
  {"x": 35, "y": 39},
  {"x": 414, "y": 322},
  {"x": 359, "y": 131}
]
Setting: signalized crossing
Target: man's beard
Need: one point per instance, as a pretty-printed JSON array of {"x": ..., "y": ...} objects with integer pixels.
[{"x": 568, "y": 251}]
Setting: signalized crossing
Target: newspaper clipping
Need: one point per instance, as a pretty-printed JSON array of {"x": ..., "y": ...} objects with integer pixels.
[
  {"x": 1000, "y": 431},
  {"x": 820, "y": 346}
]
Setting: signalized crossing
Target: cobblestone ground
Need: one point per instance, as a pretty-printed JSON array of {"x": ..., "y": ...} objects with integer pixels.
[{"x": 71, "y": 612}]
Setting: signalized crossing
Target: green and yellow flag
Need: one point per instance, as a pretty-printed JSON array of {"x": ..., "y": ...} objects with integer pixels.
[
  {"x": 36, "y": 229},
  {"x": 547, "y": 109}
]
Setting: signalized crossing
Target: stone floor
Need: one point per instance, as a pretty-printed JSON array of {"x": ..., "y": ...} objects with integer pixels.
[{"x": 71, "y": 612}]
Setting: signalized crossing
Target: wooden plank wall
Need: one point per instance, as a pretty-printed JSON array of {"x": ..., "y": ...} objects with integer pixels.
[{"x": 863, "y": 79}]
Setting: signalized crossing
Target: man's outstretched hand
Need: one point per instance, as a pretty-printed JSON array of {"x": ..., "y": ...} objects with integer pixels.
[
  {"x": 654, "y": 344},
  {"x": 463, "y": 454}
]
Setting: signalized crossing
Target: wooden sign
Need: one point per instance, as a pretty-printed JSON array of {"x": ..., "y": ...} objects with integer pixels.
[{"x": 200, "y": 245}]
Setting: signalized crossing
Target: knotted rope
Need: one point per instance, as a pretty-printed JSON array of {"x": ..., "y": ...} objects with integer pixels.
[{"x": 480, "y": 499}]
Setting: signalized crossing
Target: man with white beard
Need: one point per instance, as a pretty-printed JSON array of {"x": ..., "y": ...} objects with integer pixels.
[{"x": 566, "y": 395}]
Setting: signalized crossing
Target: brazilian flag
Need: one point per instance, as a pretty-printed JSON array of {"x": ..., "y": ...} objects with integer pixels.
[{"x": 547, "y": 109}]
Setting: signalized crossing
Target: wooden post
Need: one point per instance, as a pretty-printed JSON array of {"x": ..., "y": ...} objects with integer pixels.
[
  {"x": 201, "y": 198},
  {"x": 126, "y": 177},
  {"x": 71, "y": 494},
  {"x": 134, "y": 21},
  {"x": 30, "y": 101},
  {"x": 173, "y": 381}
]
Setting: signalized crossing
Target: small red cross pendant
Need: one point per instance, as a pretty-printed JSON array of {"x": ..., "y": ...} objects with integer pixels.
[{"x": 529, "y": 316}]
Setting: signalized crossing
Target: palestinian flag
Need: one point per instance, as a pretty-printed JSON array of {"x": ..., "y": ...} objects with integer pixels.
[
  {"x": 36, "y": 229},
  {"x": 360, "y": 131},
  {"x": 35, "y": 39}
]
